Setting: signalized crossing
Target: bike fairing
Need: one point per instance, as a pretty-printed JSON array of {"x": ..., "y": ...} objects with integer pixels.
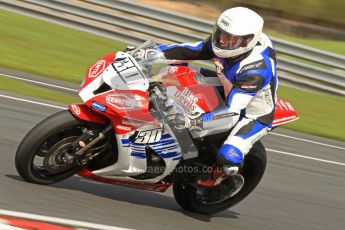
[{"x": 119, "y": 76}]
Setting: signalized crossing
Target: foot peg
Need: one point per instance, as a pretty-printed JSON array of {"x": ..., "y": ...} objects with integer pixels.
[{"x": 231, "y": 170}]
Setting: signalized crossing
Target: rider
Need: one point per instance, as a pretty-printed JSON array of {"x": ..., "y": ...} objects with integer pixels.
[{"x": 245, "y": 62}]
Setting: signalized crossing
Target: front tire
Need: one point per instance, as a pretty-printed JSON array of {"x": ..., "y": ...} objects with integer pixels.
[
  {"x": 253, "y": 169},
  {"x": 38, "y": 158}
]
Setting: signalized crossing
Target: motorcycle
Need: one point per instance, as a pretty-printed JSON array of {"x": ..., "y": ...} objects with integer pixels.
[{"x": 122, "y": 134}]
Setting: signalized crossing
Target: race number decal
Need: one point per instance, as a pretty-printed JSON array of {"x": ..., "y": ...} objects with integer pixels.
[
  {"x": 149, "y": 136},
  {"x": 128, "y": 72}
]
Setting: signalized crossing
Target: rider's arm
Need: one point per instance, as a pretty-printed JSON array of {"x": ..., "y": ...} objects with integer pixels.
[
  {"x": 244, "y": 89},
  {"x": 188, "y": 51}
]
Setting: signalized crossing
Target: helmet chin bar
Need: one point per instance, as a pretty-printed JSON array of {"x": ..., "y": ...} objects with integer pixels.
[{"x": 228, "y": 53}]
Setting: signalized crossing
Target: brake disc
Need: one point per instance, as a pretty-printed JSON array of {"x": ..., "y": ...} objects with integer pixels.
[{"x": 59, "y": 158}]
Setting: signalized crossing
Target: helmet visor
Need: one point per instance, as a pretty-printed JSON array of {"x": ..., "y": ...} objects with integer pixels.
[{"x": 226, "y": 41}]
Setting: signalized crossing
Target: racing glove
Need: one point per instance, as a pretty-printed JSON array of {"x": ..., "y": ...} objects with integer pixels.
[
  {"x": 145, "y": 54},
  {"x": 182, "y": 121}
]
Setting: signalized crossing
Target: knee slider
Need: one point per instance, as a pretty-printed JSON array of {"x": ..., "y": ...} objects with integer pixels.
[{"x": 229, "y": 154}]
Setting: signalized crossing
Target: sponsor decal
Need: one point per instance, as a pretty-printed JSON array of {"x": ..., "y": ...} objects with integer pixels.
[
  {"x": 76, "y": 109},
  {"x": 259, "y": 136},
  {"x": 97, "y": 69},
  {"x": 234, "y": 154},
  {"x": 186, "y": 98},
  {"x": 98, "y": 106},
  {"x": 137, "y": 97},
  {"x": 123, "y": 102},
  {"x": 253, "y": 66},
  {"x": 126, "y": 121},
  {"x": 268, "y": 97},
  {"x": 123, "y": 127},
  {"x": 224, "y": 22},
  {"x": 248, "y": 86}
]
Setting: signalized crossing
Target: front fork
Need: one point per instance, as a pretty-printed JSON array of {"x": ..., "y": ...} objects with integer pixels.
[{"x": 86, "y": 141}]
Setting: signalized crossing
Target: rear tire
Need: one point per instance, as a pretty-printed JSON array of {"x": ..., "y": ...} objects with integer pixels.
[
  {"x": 252, "y": 171},
  {"x": 56, "y": 131}
]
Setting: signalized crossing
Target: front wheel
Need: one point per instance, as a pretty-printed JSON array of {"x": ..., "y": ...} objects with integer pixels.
[
  {"x": 188, "y": 197},
  {"x": 40, "y": 157}
]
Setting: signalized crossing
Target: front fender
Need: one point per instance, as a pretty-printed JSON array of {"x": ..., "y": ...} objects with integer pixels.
[{"x": 85, "y": 113}]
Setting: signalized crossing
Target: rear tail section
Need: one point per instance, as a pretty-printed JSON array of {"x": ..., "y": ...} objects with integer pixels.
[{"x": 284, "y": 113}]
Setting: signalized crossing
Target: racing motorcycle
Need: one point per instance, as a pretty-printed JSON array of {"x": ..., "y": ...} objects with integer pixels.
[{"x": 122, "y": 134}]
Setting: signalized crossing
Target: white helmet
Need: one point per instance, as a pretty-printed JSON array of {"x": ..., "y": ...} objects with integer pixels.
[{"x": 236, "y": 31}]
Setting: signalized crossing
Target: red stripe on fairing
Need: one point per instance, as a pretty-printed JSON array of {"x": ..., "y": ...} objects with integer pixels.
[
  {"x": 157, "y": 187},
  {"x": 29, "y": 224},
  {"x": 285, "y": 120}
]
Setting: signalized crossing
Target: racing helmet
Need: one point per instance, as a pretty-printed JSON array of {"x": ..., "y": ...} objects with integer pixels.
[{"x": 236, "y": 31}]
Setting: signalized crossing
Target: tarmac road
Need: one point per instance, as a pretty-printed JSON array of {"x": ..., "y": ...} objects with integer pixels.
[{"x": 303, "y": 187}]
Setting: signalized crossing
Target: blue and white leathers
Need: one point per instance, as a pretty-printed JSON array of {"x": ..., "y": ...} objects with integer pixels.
[{"x": 250, "y": 83}]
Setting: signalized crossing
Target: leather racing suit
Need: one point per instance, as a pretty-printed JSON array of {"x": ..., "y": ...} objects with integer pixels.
[{"x": 249, "y": 82}]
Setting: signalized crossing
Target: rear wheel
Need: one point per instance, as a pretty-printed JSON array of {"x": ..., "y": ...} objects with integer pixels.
[
  {"x": 43, "y": 155},
  {"x": 189, "y": 197}
]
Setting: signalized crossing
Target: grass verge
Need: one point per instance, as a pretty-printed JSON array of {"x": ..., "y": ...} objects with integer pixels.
[
  {"x": 27, "y": 89},
  {"x": 36, "y": 46},
  {"x": 320, "y": 114}
]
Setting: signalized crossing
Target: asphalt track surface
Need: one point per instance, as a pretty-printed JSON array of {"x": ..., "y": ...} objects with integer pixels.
[{"x": 303, "y": 187}]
